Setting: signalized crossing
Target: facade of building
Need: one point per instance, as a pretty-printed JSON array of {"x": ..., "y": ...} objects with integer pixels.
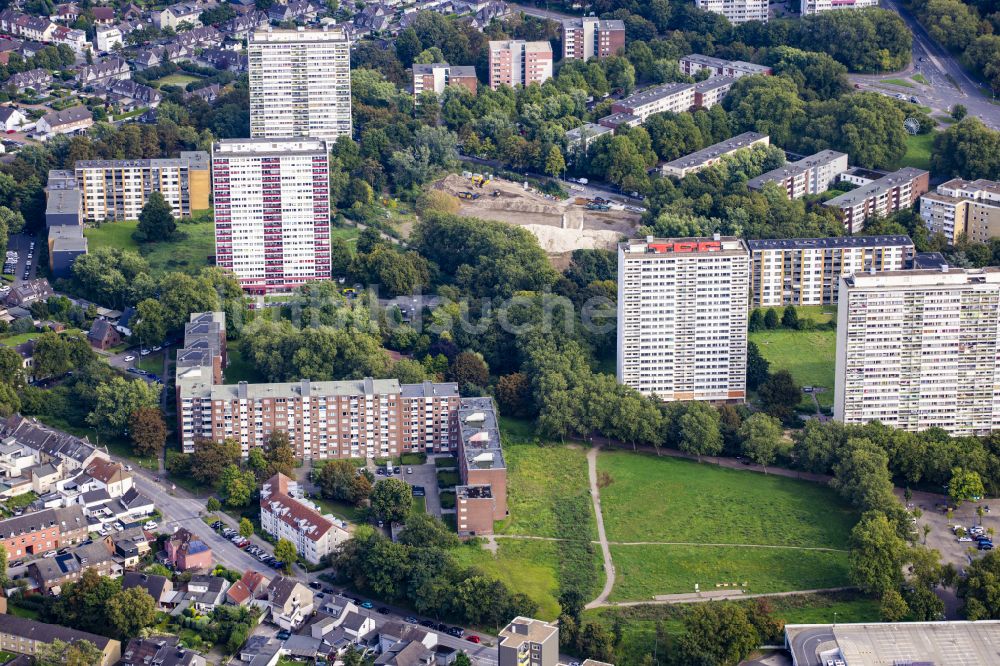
[
  {"x": 810, "y": 175},
  {"x": 590, "y": 37},
  {"x": 284, "y": 514},
  {"x": 920, "y": 349},
  {"x": 706, "y": 157},
  {"x": 24, "y": 636},
  {"x": 481, "y": 499},
  {"x": 674, "y": 97},
  {"x": 516, "y": 62},
  {"x": 185, "y": 551},
  {"x": 272, "y": 211},
  {"x": 118, "y": 189},
  {"x": 682, "y": 317},
  {"x": 300, "y": 83},
  {"x": 736, "y": 11},
  {"x": 816, "y": 6},
  {"x": 962, "y": 207},
  {"x": 435, "y": 77},
  {"x": 807, "y": 271},
  {"x": 67, "y": 121},
  {"x": 880, "y": 197},
  {"x": 528, "y": 642},
  {"x": 41, "y": 531},
  {"x": 695, "y": 63},
  {"x": 579, "y": 139}
]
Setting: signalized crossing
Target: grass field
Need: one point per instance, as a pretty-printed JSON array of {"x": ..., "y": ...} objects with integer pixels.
[
  {"x": 187, "y": 252},
  {"x": 540, "y": 480},
  {"x": 645, "y": 571},
  {"x": 526, "y": 566},
  {"x": 152, "y": 363},
  {"x": 15, "y": 340},
  {"x": 176, "y": 79},
  {"x": 920, "y": 78},
  {"x": 809, "y": 355},
  {"x": 6, "y": 656},
  {"x": 700, "y": 503},
  {"x": 240, "y": 369},
  {"x": 918, "y": 151},
  {"x": 899, "y": 82}
]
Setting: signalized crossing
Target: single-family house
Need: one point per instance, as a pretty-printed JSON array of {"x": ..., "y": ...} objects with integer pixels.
[
  {"x": 11, "y": 119},
  {"x": 28, "y": 292},
  {"x": 104, "y": 71},
  {"x": 289, "y": 602},
  {"x": 102, "y": 335},
  {"x": 249, "y": 590},
  {"x": 158, "y": 587},
  {"x": 159, "y": 651},
  {"x": 67, "y": 121}
]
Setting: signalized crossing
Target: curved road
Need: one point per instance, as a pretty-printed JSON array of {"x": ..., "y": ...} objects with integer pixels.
[{"x": 595, "y": 496}]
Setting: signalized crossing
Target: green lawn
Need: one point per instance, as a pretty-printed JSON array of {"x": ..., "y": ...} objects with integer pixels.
[
  {"x": 187, "y": 252},
  {"x": 418, "y": 504},
  {"x": 674, "y": 500},
  {"x": 899, "y": 82},
  {"x": 342, "y": 510},
  {"x": 918, "y": 151},
  {"x": 240, "y": 369},
  {"x": 540, "y": 480},
  {"x": 920, "y": 78},
  {"x": 152, "y": 363},
  {"x": 176, "y": 79},
  {"x": 645, "y": 571},
  {"x": 14, "y": 340},
  {"x": 526, "y": 566},
  {"x": 6, "y": 656},
  {"x": 809, "y": 355}
]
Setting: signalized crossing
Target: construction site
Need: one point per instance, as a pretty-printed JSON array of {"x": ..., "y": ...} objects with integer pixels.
[{"x": 561, "y": 225}]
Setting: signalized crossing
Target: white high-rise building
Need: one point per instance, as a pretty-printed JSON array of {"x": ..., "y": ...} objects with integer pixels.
[
  {"x": 300, "y": 83},
  {"x": 272, "y": 211},
  {"x": 736, "y": 11},
  {"x": 682, "y": 317},
  {"x": 919, "y": 349},
  {"x": 816, "y": 6}
]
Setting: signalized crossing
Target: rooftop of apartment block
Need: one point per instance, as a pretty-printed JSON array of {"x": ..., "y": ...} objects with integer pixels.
[
  {"x": 60, "y": 179},
  {"x": 834, "y": 242},
  {"x": 298, "y": 34},
  {"x": 943, "y": 276},
  {"x": 792, "y": 169},
  {"x": 602, "y": 24},
  {"x": 474, "y": 491},
  {"x": 709, "y": 61},
  {"x": 255, "y": 147},
  {"x": 480, "y": 434},
  {"x": 588, "y": 130},
  {"x": 62, "y": 202},
  {"x": 194, "y": 159},
  {"x": 702, "y": 245},
  {"x": 883, "y": 184},
  {"x": 744, "y": 140},
  {"x": 526, "y": 630}
]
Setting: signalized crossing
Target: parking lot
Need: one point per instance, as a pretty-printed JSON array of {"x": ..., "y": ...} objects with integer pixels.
[
  {"x": 20, "y": 262},
  {"x": 941, "y": 538}
]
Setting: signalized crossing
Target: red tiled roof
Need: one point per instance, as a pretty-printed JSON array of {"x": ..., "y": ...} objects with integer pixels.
[{"x": 292, "y": 512}]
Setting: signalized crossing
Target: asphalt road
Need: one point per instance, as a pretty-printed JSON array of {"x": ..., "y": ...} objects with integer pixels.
[
  {"x": 179, "y": 509},
  {"x": 805, "y": 644},
  {"x": 538, "y": 12},
  {"x": 948, "y": 84}
]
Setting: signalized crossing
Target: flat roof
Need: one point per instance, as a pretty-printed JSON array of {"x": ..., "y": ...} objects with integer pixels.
[
  {"x": 480, "y": 434},
  {"x": 737, "y": 142},
  {"x": 590, "y": 129},
  {"x": 526, "y": 629},
  {"x": 945, "y": 276},
  {"x": 193, "y": 159},
  {"x": 836, "y": 241},
  {"x": 299, "y": 34},
  {"x": 63, "y": 202},
  {"x": 887, "y": 182},
  {"x": 795, "y": 168},
  {"x": 959, "y": 643},
  {"x": 929, "y": 260},
  {"x": 701, "y": 245},
  {"x": 654, "y": 94},
  {"x": 255, "y": 147}
]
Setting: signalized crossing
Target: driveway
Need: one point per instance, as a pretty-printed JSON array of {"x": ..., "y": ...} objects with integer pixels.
[{"x": 425, "y": 475}]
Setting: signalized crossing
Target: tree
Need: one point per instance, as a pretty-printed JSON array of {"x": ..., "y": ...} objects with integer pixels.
[
  {"x": 958, "y": 111},
  {"x": 779, "y": 394},
  {"x": 156, "y": 221},
  {"x": 209, "y": 458},
  {"x": 758, "y": 368},
  {"x": 130, "y": 611},
  {"x": 554, "y": 162},
  {"x": 596, "y": 642},
  {"x": 279, "y": 453},
  {"x": 60, "y": 653},
  {"x": 117, "y": 400},
  {"x": 761, "y": 435},
  {"x": 150, "y": 326},
  {"x": 513, "y": 394},
  {"x": 756, "y": 322},
  {"x": 391, "y": 500},
  {"x": 423, "y": 530},
  {"x": 699, "y": 430},
  {"x": 717, "y": 633},
  {"x": 966, "y": 486},
  {"x": 771, "y": 318},
  {"x": 877, "y": 554},
  {"x": 286, "y": 553},
  {"x": 893, "y": 607},
  {"x": 980, "y": 588},
  {"x": 11, "y": 368},
  {"x": 212, "y": 505},
  {"x": 340, "y": 480},
  {"x": 246, "y": 527},
  {"x": 968, "y": 149},
  {"x": 470, "y": 368},
  {"x": 236, "y": 486},
  {"x": 148, "y": 431},
  {"x": 862, "y": 476},
  {"x": 790, "y": 317}
]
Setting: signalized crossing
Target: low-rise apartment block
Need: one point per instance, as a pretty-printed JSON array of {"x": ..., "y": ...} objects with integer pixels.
[
  {"x": 674, "y": 97},
  {"x": 41, "y": 531},
  {"x": 117, "y": 189},
  {"x": 816, "y": 6},
  {"x": 736, "y": 11},
  {"x": 528, "y": 642},
  {"x": 920, "y": 349},
  {"x": 878, "y": 195},
  {"x": 435, "y": 77},
  {"x": 285, "y": 514},
  {"x": 706, "y": 157},
  {"x": 481, "y": 499},
  {"x": 807, "y": 271},
  {"x": 24, "y": 636},
  {"x": 682, "y": 317},
  {"x": 810, "y": 175},
  {"x": 579, "y": 138},
  {"x": 516, "y": 62},
  {"x": 695, "y": 63},
  {"x": 590, "y": 37},
  {"x": 962, "y": 207}
]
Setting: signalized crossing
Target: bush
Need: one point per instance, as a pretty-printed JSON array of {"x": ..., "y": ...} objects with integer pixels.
[
  {"x": 447, "y": 500},
  {"x": 447, "y": 479},
  {"x": 414, "y": 458}
]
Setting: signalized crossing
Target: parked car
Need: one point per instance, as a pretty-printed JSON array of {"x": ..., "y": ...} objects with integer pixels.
[
  {"x": 410, "y": 619},
  {"x": 367, "y": 604},
  {"x": 457, "y": 632},
  {"x": 129, "y": 358},
  {"x": 409, "y": 470},
  {"x": 985, "y": 545},
  {"x": 382, "y": 610},
  {"x": 283, "y": 635},
  {"x": 427, "y": 623},
  {"x": 965, "y": 539},
  {"x": 51, "y": 553},
  {"x": 151, "y": 525},
  {"x": 472, "y": 639},
  {"x": 316, "y": 585}
]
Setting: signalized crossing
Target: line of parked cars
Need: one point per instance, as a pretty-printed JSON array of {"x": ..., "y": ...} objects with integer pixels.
[
  {"x": 976, "y": 533},
  {"x": 242, "y": 542}
]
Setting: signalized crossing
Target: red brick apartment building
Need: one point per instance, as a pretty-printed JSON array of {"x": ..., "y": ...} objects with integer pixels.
[
  {"x": 435, "y": 77},
  {"x": 590, "y": 37}
]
